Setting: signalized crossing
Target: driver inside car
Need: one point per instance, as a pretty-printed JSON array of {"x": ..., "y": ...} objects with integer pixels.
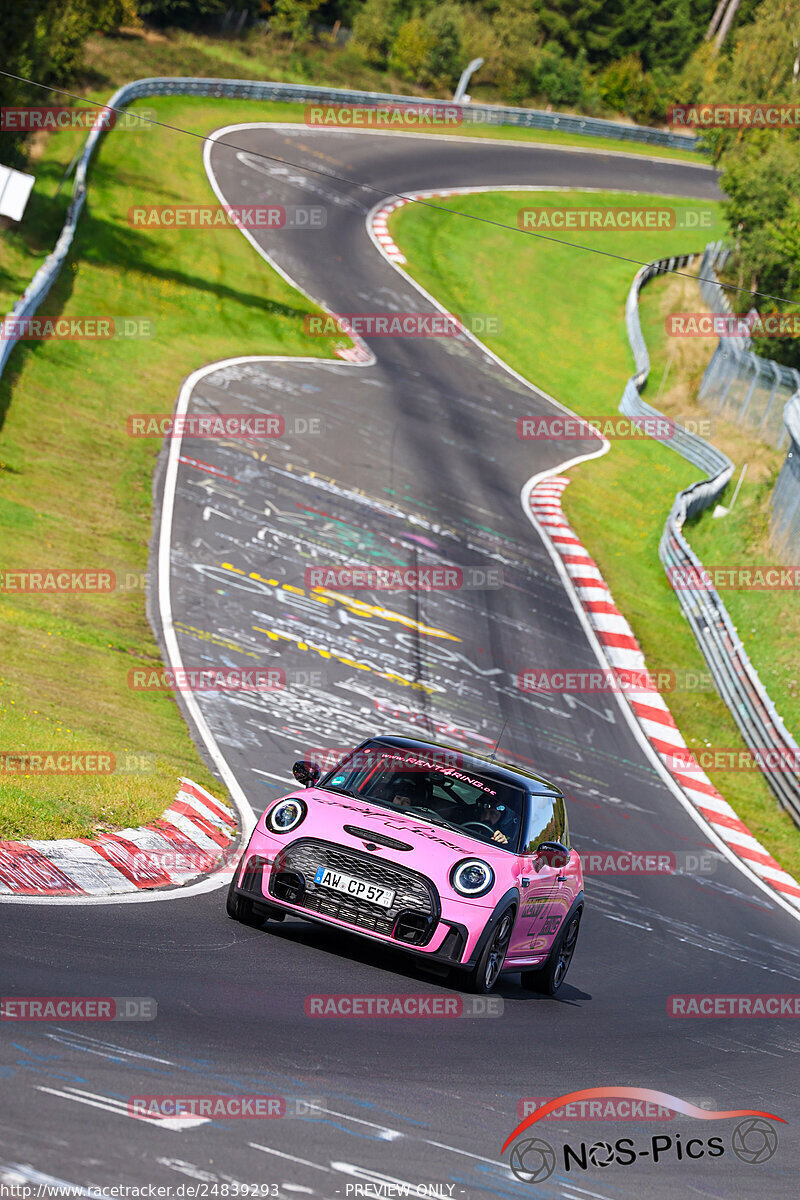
[
  {"x": 404, "y": 791},
  {"x": 502, "y": 820}
]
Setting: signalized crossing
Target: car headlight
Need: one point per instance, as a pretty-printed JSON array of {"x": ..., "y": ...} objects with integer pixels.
[
  {"x": 472, "y": 877},
  {"x": 286, "y": 815}
]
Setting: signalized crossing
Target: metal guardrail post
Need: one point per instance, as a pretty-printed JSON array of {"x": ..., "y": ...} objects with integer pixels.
[
  {"x": 785, "y": 503},
  {"x": 743, "y": 411}
]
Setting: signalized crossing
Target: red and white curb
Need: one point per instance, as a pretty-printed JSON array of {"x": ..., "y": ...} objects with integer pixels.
[
  {"x": 381, "y": 231},
  {"x": 377, "y": 224},
  {"x": 624, "y": 654},
  {"x": 192, "y": 837},
  {"x": 380, "y": 218},
  {"x": 357, "y": 354}
]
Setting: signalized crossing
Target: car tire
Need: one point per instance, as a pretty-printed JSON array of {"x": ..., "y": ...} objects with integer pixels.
[
  {"x": 240, "y": 908},
  {"x": 486, "y": 972},
  {"x": 548, "y": 978}
]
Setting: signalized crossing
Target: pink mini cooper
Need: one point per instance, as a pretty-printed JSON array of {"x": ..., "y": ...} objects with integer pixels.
[{"x": 455, "y": 858}]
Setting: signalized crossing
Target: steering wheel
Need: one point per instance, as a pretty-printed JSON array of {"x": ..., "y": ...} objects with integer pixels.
[{"x": 481, "y": 825}]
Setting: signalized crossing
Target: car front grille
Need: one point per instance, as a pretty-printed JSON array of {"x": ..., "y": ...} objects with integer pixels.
[{"x": 292, "y": 879}]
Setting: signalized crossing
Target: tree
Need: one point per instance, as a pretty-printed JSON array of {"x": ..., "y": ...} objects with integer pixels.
[
  {"x": 444, "y": 64},
  {"x": 43, "y": 41},
  {"x": 412, "y": 49},
  {"x": 626, "y": 88},
  {"x": 558, "y": 78},
  {"x": 516, "y": 37},
  {"x": 183, "y": 13},
  {"x": 374, "y": 30},
  {"x": 661, "y": 33},
  {"x": 292, "y": 18},
  {"x": 761, "y": 167}
]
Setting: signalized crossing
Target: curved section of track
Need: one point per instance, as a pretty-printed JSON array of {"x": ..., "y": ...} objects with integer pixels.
[{"x": 418, "y": 465}]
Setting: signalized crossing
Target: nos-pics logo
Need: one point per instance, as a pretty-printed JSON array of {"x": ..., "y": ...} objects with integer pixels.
[{"x": 753, "y": 1140}]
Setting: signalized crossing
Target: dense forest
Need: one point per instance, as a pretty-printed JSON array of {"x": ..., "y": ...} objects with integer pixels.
[
  {"x": 625, "y": 57},
  {"x": 594, "y": 55}
]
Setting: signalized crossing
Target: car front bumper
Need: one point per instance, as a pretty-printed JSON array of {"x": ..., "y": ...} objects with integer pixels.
[{"x": 440, "y": 929}]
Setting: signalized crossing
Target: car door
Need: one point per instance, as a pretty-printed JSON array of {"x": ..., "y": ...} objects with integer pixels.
[{"x": 546, "y": 880}]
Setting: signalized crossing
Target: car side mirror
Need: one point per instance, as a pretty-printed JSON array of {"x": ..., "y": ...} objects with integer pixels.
[
  {"x": 555, "y": 854},
  {"x": 306, "y": 772}
]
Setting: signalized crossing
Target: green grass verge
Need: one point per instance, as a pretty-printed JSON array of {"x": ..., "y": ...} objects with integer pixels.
[
  {"x": 768, "y": 622},
  {"x": 76, "y": 491},
  {"x": 24, "y": 247},
  {"x": 567, "y": 335}
]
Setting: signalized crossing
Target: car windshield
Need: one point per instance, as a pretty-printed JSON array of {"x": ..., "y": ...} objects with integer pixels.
[{"x": 438, "y": 785}]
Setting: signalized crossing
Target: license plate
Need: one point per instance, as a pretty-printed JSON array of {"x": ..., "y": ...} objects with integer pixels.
[{"x": 358, "y": 888}]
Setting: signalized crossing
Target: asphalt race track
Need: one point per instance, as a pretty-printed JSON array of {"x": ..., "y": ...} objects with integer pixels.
[{"x": 418, "y": 464}]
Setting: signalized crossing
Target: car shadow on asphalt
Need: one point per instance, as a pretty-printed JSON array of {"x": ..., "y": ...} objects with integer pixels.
[{"x": 346, "y": 947}]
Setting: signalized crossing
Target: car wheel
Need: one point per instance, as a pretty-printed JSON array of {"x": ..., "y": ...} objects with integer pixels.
[
  {"x": 549, "y": 978},
  {"x": 240, "y": 908},
  {"x": 486, "y": 971}
]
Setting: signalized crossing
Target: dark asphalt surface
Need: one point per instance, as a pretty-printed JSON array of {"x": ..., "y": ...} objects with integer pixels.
[{"x": 418, "y": 465}]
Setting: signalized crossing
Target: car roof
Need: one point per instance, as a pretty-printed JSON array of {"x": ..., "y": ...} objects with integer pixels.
[{"x": 503, "y": 772}]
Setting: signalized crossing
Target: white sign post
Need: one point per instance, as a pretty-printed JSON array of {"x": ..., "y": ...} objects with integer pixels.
[{"x": 15, "y": 188}]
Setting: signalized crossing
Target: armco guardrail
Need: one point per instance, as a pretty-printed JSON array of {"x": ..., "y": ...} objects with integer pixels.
[
  {"x": 785, "y": 502},
  {"x": 761, "y": 395},
  {"x": 244, "y": 89},
  {"x": 737, "y": 383},
  {"x": 478, "y": 114},
  {"x": 734, "y": 674}
]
